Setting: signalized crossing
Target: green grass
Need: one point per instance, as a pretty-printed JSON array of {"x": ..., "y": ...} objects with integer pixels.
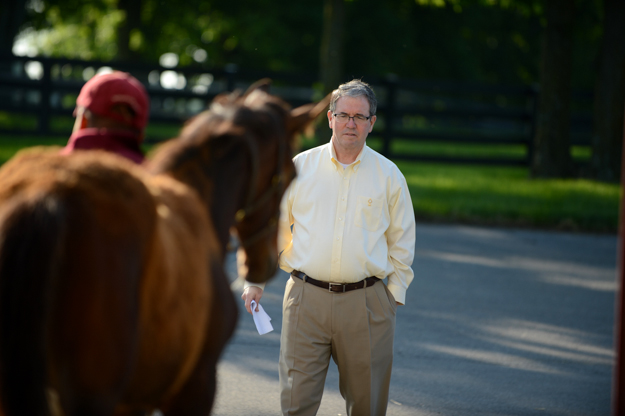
[
  {"x": 486, "y": 195},
  {"x": 10, "y": 146},
  {"x": 17, "y": 121},
  {"x": 461, "y": 150},
  {"x": 161, "y": 131},
  {"x": 507, "y": 196}
]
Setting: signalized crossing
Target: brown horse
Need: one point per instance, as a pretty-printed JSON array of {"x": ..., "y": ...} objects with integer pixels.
[{"x": 113, "y": 296}]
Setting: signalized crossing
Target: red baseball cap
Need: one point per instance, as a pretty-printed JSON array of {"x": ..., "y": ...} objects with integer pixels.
[{"x": 103, "y": 91}]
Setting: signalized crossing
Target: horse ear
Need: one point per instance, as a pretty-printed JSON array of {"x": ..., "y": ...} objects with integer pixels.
[
  {"x": 302, "y": 117},
  {"x": 262, "y": 84}
]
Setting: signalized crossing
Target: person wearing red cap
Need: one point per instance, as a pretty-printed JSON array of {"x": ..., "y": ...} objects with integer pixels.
[{"x": 111, "y": 114}]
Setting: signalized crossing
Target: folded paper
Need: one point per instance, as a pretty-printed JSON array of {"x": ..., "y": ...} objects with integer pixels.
[{"x": 261, "y": 319}]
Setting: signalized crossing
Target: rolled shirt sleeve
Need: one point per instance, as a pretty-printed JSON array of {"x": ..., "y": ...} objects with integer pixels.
[{"x": 401, "y": 236}]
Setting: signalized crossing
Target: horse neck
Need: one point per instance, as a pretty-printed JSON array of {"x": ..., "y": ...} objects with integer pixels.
[
  {"x": 220, "y": 181},
  {"x": 229, "y": 192}
]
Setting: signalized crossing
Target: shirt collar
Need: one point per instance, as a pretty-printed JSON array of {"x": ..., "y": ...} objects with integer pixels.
[
  {"x": 122, "y": 142},
  {"x": 355, "y": 164}
]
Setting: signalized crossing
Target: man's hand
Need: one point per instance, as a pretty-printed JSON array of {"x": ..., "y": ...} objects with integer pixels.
[{"x": 252, "y": 293}]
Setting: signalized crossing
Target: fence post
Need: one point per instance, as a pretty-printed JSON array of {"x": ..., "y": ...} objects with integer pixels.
[
  {"x": 533, "y": 92},
  {"x": 618, "y": 378},
  {"x": 231, "y": 74},
  {"x": 43, "y": 121},
  {"x": 389, "y": 113}
]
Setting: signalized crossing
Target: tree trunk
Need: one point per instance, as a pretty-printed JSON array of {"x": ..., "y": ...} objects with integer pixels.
[
  {"x": 12, "y": 14},
  {"x": 132, "y": 9},
  {"x": 552, "y": 156},
  {"x": 609, "y": 96},
  {"x": 331, "y": 59}
]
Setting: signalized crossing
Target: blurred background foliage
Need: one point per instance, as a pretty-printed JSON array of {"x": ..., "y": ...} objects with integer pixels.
[{"x": 492, "y": 41}]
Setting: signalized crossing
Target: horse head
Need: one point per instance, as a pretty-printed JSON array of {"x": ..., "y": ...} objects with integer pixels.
[{"x": 244, "y": 143}]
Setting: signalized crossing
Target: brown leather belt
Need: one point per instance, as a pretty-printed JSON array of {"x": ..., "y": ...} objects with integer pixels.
[{"x": 335, "y": 287}]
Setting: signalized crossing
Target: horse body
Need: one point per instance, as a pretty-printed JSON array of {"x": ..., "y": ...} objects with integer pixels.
[
  {"x": 175, "y": 290},
  {"x": 113, "y": 296},
  {"x": 78, "y": 268}
]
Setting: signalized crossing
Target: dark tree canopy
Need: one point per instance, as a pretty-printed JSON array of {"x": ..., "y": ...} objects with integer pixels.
[{"x": 494, "y": 41}]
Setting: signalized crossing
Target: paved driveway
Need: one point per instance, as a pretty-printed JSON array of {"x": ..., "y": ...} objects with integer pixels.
[{"x": 497, "y": 322}]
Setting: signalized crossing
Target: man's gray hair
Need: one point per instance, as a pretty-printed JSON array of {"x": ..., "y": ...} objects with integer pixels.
[{"x": 355, "y": 88}]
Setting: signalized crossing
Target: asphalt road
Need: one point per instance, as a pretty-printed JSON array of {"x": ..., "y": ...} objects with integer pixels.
[{"x": 497, "y": 322}]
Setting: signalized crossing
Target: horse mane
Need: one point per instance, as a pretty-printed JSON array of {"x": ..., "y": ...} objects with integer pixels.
[{"x": 230, "y": 116}]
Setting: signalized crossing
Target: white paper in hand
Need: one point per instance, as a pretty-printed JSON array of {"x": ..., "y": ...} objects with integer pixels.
[{"x": 261, "y": 319}]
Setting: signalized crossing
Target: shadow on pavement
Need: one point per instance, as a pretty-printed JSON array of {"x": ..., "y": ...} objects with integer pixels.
[{"x": 496, "y": 322}]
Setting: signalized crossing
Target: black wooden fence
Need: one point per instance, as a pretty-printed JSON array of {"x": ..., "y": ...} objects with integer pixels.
[{"x": 417, "y": 120}]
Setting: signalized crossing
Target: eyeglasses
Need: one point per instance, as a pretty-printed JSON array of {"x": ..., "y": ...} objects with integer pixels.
[{"x": 358, "y": 118}]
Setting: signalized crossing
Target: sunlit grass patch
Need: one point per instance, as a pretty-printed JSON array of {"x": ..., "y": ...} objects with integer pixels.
[
  {"x": 10, "y": 146},
  {"x": 508, "y": 196}
]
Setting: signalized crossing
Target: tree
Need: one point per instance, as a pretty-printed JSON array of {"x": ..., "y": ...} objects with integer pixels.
[
  {"x": 331, "y": 51},
  {"x": 609, "y": 102},
  {"x": 130, "y": 23},
  {"x": 552, "y": 157},
  {"x": 12, "y": 13}
]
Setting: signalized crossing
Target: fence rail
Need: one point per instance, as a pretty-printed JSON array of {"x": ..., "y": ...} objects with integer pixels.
[{"x": 37, "y": 97}]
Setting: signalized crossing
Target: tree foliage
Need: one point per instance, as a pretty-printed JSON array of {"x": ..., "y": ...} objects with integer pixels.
[{"x": 496, "y": 41}]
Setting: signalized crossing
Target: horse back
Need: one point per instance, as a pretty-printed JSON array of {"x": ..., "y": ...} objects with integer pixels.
[{"x": 74, "y": 236}]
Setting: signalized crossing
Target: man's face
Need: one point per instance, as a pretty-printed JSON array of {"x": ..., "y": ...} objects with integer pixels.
[{"x": 350, "y": 136}]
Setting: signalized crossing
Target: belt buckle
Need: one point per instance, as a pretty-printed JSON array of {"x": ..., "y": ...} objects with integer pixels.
[{"x": 335, "y": 284}]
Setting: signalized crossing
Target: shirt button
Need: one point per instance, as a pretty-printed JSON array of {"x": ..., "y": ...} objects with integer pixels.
[
  {"x": 340, "y": 219},
  {"x": 337, "y": 238}
]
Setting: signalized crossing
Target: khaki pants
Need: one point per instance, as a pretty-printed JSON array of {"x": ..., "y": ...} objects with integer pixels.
[{"x": 355, "y": 328}]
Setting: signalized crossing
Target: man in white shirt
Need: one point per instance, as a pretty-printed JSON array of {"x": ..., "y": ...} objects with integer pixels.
[{"x": 347, "y": 222}]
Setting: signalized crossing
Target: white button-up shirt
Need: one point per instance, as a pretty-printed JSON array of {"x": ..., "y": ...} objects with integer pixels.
[{"x": 345, "y": 224}]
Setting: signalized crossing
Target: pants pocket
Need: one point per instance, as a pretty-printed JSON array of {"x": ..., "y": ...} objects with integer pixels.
[
  {"x": 391, "y": 299},
  {"x": 292, "y": 293}
]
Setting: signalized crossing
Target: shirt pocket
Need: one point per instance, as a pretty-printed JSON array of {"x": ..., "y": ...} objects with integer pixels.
[{"x": 368, "y": 213}]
